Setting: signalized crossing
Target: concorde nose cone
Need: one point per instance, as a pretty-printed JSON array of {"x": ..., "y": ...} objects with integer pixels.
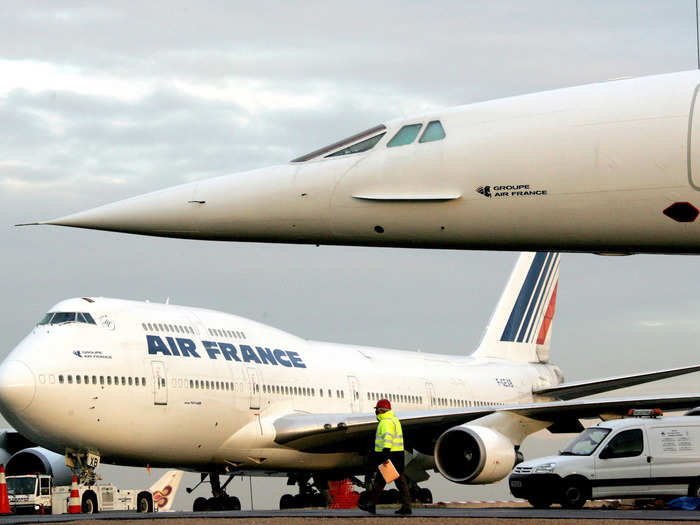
[
  {"x": 17, "y": 386},
  {"x": 166, "y": 212}
]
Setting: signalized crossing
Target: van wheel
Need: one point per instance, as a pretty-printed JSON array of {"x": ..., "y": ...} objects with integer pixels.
[
  {"x": 540, "y": 502},
  {"x": 574, "y": 494},
  {"x": 694, "y": 489}
]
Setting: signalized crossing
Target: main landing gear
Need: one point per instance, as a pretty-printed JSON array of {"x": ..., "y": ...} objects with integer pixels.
[
  {"x": 392, "y": 496},
  {"x": 311, "y": 494},
  {"x": 219, "y": 500},
  {"x": 315, "y": 493}
]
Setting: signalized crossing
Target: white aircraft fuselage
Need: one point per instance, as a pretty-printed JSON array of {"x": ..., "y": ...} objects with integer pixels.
[
  {"x": 612, "y": 167},
  {"x": 209, "y": 398}
]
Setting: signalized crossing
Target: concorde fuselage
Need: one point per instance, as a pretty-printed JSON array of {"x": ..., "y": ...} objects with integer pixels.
[
  {"x": 608, "y": 167},
  {"x": 175, "y": 386}
]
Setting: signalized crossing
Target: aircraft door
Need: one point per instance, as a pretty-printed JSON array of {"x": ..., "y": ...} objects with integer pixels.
[
  {"x": 254, "y": 388},
  {"x": 354, "y": 393},
  {"x": 160, "y": 383},
  {"x": 430, "y": 394}
]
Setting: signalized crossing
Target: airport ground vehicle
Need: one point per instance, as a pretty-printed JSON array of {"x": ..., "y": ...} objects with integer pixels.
[
  {"x": 646, "y": 455},
  {"x": 36, "y": 493}
]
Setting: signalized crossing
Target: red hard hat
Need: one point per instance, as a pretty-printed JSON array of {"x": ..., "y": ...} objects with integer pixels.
[{"x": 383, "y": 403}]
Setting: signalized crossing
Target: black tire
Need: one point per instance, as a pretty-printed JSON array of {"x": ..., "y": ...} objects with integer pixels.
[
  {"x": 364, "y": 498},
  {"x": 89, "y": 504},
  {"x": 540, "y": 502},
  {"x": 144, "y": 502},
  {"x": 286, "y": 502},
  {"x": 694, "y": 489},
  {"x": 574, "y": 494},
  {"x": 319, "y": 500},
  {"x": 425, "y": 496},
  {"x": 235, "y": 503},
  {"x": 200, "y": 504},
  {"x": 298, "y": 501}
]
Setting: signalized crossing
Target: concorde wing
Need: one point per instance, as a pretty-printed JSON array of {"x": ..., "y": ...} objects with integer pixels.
[{"x": 355, "y": 432}]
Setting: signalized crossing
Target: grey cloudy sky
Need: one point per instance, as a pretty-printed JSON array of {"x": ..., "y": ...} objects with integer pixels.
[{"x": 101, "y": 101}]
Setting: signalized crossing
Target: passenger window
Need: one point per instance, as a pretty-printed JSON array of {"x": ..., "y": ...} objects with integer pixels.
[
  {"x": 358, "y": 147},
  {"x": 433, "y": 131},
  {"x": 77, "y": 379},
  {"x": 405, "y": 135},
  {"x": 626, "y": 444},
  {"x": 70, "y": 379},
  {"x": 143, "y": 381},
  {"x": 109, "y": 380}
]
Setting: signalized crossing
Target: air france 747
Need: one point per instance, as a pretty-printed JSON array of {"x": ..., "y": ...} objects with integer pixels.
[
  {"x": 137, "y": 383},
  {"x": 610, "y": 168}
]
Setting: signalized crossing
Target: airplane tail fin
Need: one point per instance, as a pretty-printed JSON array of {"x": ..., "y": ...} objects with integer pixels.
[
  {"x": 164, "y": 490},
  {"x": 520, "y": 326}
]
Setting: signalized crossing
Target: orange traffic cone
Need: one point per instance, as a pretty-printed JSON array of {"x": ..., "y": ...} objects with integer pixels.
[
  {"x": 4, "y": 498},
  {"x": 74, "y": 501}
]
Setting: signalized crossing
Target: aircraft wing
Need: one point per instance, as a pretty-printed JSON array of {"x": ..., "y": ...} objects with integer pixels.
[
  {"x": 355, "y": 432},
  {"x": 577, "y": 389}
]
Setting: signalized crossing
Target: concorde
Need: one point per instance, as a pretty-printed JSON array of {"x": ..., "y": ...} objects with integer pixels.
[
  {"x": 610, "y": 168},
  {"x": 140, "y": 383}
]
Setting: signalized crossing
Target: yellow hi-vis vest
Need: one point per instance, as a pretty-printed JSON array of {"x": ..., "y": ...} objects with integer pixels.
[{"x": 389, "y": 433}]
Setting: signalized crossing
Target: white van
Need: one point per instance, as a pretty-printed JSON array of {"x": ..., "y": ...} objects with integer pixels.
[{"x": 646, "y": 455}]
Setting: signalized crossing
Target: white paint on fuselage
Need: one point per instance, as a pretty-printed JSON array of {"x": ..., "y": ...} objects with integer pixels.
[
  {"x": 610, "y": 156},
  {"x": 202, "y": 426}
]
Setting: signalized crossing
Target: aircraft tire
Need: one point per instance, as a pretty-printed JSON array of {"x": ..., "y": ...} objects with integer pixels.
[
  {"x": 233, "y": 503},
  {"x": 286, "y": 501},
  {"x": 425, "y": 496},
  {"x": 200, "y": 504}
]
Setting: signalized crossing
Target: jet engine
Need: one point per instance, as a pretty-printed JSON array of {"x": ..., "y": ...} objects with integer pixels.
[
  {"x": 39, "y": 460},
  {"x": 472, "y": 454}
]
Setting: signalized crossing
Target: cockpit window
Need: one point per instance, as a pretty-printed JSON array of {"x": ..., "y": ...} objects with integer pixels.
[
  {"x": 358, "y": 147},
  {"x": 63, "y": 317},
  {"x": 67, "y": 317},
  {"x": 46, "y": 319},
  {"x": 345, "y": 142},
  {"x": 433, "y": 131},
  {"x": 405, "y": 135}
]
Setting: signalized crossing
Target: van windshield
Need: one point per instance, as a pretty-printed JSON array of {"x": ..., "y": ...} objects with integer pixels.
[{"x": 586, "y": 442}]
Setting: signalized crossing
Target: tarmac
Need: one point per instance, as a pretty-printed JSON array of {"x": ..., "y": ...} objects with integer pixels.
[{"x": 495, "y": 516}]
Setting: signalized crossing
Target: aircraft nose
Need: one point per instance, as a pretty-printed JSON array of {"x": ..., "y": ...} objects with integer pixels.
[{"x": 17, "y": 386}]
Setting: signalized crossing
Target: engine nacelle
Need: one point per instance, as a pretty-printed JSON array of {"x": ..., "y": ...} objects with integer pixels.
[
  {"x": 472, "y": 454},
  {"x": 40, "y": 460}
]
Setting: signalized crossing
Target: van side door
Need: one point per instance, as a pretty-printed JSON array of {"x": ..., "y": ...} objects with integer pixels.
[
  {"x": 621, "y": 467},
  {"x": 674, "y": 457}
]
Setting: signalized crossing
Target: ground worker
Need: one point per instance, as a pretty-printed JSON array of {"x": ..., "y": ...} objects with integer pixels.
[{"x": 388, "y": 445}]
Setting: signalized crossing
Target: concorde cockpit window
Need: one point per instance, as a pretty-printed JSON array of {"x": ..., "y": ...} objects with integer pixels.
[
  {"x": 586, "y": 442},
  {"x": 365, "y": 138},
  {"x": 358, "y": 147},
  {"x": 433, "y": 131},
  {"x": 67, "y": 317},
  {"x": 405, "y": 135}
]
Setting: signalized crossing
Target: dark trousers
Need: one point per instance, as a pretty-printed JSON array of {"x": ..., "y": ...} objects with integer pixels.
[{"x": 378, "y": 484}]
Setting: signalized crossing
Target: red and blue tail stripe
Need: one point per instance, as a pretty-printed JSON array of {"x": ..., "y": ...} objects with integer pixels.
[{"x": 534, "y": 296}]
